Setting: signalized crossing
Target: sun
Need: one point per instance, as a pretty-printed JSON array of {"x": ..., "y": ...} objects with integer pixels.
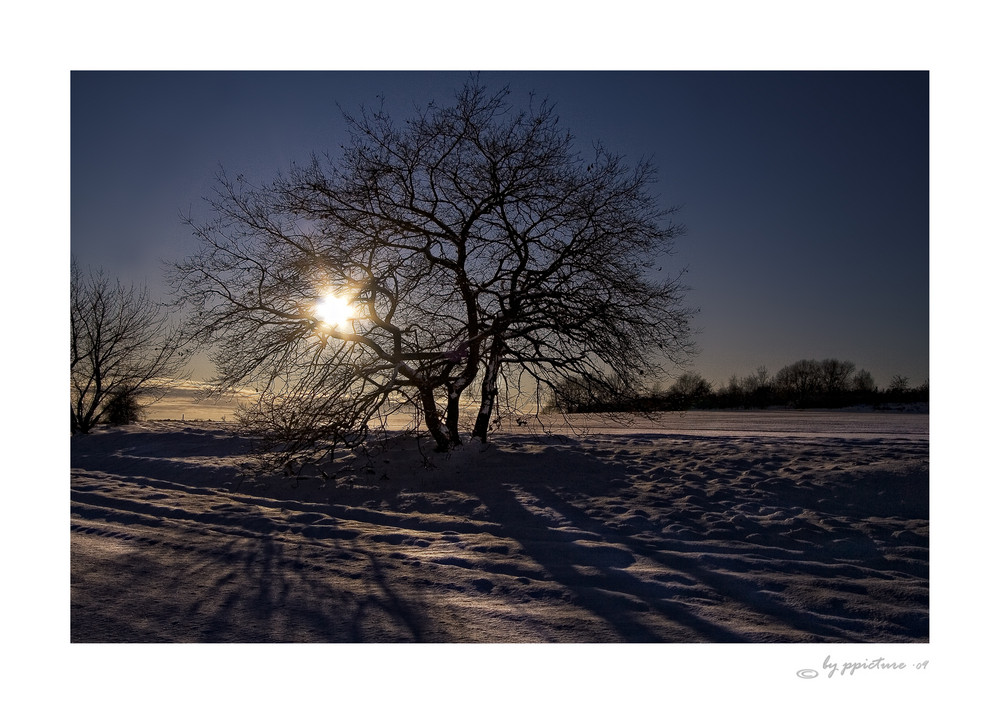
[{"x": 335, "y": 310}]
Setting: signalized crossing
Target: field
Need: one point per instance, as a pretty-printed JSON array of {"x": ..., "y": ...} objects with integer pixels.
[{"x": 699, "y": 527}]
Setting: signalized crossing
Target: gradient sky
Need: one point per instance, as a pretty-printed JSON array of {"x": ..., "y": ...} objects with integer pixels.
[{"x": 805, "y": 195}]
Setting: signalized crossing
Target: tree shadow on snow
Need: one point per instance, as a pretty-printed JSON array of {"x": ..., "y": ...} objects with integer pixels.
[
  {"x": 219, "y": 570},
  {"x": 537, "y": 506}
]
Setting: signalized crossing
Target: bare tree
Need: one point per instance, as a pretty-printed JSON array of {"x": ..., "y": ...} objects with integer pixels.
[
  {"x": 121, "y": 349},
  {"x": 800, "y": 381},
  {"x": 472, "y": 247},
  {"x": 835, "y": 375},
  {"x": 898, "y": 384},
  {"x": 863, "y": 382},
  {"x": 688, "y": 391}
]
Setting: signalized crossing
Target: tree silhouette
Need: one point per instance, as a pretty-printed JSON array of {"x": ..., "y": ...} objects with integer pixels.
[
  {"x": 690, "y": 390},
  {"x": 121, "y": 349},
  {"x": 479, "y": 250}
]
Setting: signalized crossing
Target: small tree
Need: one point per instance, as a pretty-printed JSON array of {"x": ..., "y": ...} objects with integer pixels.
[
  {"x": 734, "y": 393},
  {"x": 898, "y": 384},
  {"x": 690, "y": 390},
  {"x": 121, "y": 349},
  {"x": 800, "y": 382},
  {"x": 863, "y": 383},
  {"x": 758, "y": 388},
  {"x": 469, "y": 247},
  {"x": 835, "y": 376}
]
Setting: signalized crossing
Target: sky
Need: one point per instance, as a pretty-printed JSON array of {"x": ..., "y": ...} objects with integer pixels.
[{"x": 805, "y": 195}]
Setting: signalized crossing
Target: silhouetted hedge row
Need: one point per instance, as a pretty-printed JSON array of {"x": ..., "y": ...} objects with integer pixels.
[{"x": 806, "y": 384}]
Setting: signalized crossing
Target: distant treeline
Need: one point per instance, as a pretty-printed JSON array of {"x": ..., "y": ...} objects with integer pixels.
[{"x": 806, "y": 384}]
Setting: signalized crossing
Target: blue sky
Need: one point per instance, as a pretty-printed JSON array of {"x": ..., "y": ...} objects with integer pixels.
[{"x": 805, "y": 194}]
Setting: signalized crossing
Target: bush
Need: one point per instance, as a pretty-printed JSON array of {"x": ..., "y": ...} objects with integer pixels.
[{"x": 124, "y": 408}]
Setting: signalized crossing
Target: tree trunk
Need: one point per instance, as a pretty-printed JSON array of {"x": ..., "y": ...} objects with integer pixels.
[
  {"x": 482, "y": 428},
  {"x": 433, "y": 421},
  {"x": 489, "y": 399},
  {"x": 451, "y": 417}
]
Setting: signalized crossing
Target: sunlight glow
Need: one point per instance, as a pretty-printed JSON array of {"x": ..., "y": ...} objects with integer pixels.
[{"x": 335, "y": 310}]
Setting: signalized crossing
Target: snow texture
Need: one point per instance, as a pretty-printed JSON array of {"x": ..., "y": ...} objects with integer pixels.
[{"x": 769, "y": 527}]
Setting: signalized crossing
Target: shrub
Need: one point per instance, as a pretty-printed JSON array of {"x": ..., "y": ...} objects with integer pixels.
[{"x": 124, "y": 408}]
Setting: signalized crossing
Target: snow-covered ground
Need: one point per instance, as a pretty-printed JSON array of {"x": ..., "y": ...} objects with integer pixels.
[{"x": 773, "y": 527}]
